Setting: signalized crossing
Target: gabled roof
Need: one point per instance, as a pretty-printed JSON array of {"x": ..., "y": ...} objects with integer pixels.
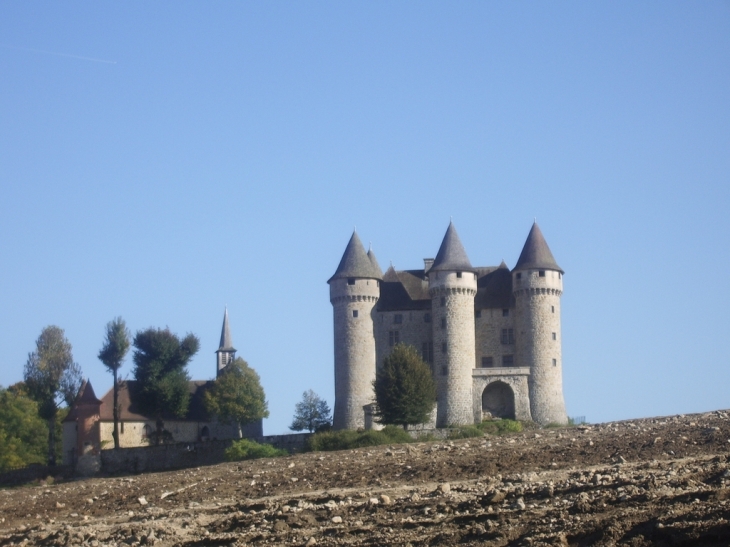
[
  {"x": 404, "y": 290},
  {"x": 355, "y": 262},
  {"x": 226, "y": 342},
  {"x": 536, "y": 253},
  {"x": 451, "y": 255}
]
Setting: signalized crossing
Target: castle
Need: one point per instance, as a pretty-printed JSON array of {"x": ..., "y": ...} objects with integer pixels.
[{"x": 491, "y": 335}]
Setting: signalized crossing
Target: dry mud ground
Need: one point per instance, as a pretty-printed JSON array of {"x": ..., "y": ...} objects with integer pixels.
[{"x": 661, "y": 481}]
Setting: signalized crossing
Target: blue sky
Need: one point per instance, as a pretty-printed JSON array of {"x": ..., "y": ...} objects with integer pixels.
[{"x": 160, "y": 161}]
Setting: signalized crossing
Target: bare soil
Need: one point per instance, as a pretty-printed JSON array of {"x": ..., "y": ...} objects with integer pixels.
[{"x": 660, "y": 481}]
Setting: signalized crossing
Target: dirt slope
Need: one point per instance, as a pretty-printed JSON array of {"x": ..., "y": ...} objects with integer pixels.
[{"x": 663, "y": 481}]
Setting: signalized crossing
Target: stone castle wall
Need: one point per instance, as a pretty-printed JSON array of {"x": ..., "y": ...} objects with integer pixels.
[
  {"x": 354, "y": 349},
  {"x": 452, "y": 298},
  {"x": 537, "y": 326},
  {"x": 488, "y": 328},
  {"x": 413, "y": 330}
]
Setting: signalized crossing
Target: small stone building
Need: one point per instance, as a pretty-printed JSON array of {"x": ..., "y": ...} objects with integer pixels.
[
  {"x": 89, "y": 425},
  {"x": 490, "y": 334}
]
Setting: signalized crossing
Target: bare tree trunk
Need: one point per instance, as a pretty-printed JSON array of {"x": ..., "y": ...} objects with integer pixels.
[
  {"x": 240, "y": 431},
  {"x": 52, "y": 440},
  {"x": 115, "y": 411}
]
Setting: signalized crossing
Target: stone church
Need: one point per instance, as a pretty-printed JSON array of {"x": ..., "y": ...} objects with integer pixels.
[{"x": 491, "y": 335}]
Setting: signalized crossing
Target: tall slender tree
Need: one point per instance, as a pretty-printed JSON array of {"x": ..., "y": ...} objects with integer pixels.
[
  {"x": 116, "y": 346},
  {"x": 161, "y": 378},
  {"x": 52, "y": 377}
]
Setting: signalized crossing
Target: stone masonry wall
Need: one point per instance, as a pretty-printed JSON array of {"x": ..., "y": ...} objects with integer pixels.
[
  {"x": 412, "y": 330},
  {"x": 537, "y": 326},
  {"x": 452, "y": 307},
  {"x": 354, "y": 349},
  {"x": 489, "y": 328}
]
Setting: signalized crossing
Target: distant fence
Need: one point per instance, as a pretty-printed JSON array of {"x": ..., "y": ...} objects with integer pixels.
[{"x": 34, "y": 472}]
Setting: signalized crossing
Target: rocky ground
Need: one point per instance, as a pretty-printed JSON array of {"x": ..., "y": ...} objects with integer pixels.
[{"x": 661, "y": 481}]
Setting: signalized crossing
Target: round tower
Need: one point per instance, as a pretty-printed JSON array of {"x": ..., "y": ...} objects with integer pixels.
[
  {"x": 354, "y": 290},
  {"x": 452, "y": 285},
  {"x": 537, "y": 284}
]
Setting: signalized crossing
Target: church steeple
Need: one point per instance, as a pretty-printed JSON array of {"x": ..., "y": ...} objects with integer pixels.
[{"x": 225, "y": 353}]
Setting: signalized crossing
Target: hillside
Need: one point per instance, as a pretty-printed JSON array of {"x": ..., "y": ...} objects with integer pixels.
[{"x": 660, "y": 481}]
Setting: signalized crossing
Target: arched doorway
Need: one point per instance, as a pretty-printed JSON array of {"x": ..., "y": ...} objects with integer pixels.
[
  {"x": 499, "y": 400},
  {"x": 205, "y": 434}
]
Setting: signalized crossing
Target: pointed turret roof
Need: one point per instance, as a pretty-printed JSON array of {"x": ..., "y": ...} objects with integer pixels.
[
  {"x": 536, "y": 253},
  {"x": 86, "y": 394},
  {"x": 356, "y": 262},
  {"x": 451, "y": 255},
  {"x": 374, "y": 262},
  {"x": 226, "y": 342}
]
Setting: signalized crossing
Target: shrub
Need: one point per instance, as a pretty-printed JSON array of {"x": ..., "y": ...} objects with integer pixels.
[
  {"x": 466, "y": 432},
  {"x": 246, "y": 449},
  {"x": 346, "y": 439},
  {"x": 500, "y": 427}
]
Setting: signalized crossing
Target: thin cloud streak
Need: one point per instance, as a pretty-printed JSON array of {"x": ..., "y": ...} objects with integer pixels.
[{"x": 59, "y": 54}]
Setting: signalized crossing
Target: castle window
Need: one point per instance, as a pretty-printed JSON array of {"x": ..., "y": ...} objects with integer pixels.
[
  {"x": 393, "y": 337},
  {"x": 458, "y": 274},
  {"x": 555, "y": 362},
  {"x": 398, "y": 319},
  {"x": 519, "y": 275},
  {"x": 427, "y": 348},
  {"x": 122, "y": 424},
  {"x": 508, "y": 336},
  {"x": 443, "y": 347},
  {"x": 350, "y": 280},
  {"x": 541, "y": 273},
  {"x": 426, "y": 317},
  {"x": 552, "y": 309},
  {"x": 555, "y": 336},
  {"x": 354, "y": 313},
  {"x": 443, "y": 322},
  {"x": 444, "y": 371},
  {"x": 487, "y": 362},
  {"x": 443, "y": 301},
  {"x": 508, "y": 360},
  {"x": 505, "y": 313},
  {"x": 478, "y": 314},
  {"x": 146, "y": 431}
]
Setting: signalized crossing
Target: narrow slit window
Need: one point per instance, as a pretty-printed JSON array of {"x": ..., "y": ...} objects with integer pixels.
[{"x": 354, "y": 313}]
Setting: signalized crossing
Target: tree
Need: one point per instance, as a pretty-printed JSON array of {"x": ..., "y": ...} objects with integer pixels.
[
  {"x": 404, "y": 388},
  {"x": 52, "y": 377},
  {"x": 311, "y": 413},
  {"x": 23, "y": 433},
  {"x": 237, "y": 396},
  {"x": 161, "y": 379},
  {"x": 116, "y": 346}
]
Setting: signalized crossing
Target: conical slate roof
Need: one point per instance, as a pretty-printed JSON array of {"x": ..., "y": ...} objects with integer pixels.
[
  {"x": 226, "y": 342},
  {"x": 536, "y": 253},
  {"x": 374, "y": 262},
  {"x": 355, "y": 262},
  {"x": 451, "y": 255}
]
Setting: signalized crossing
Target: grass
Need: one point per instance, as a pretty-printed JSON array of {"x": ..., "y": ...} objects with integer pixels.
[
  {"x": 246, "y": 449},
  {"x": 487, "y": 427}
]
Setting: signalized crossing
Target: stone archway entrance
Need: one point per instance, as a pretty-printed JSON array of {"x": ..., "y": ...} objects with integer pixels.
[{"x": 499, "y": 400}]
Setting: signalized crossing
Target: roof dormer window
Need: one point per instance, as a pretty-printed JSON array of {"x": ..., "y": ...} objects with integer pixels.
[{"x": 350, "y": 280}]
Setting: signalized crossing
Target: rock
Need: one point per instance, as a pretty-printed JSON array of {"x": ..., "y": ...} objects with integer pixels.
[
  {"x": 280, "y": 526},
  {"x": 444, "y": 488},
  {"x": 142, "y": 500},
  {"x": 373, "y": 501},
  {"x": 337, "y": 520},
  {"x": 60, "y": 505},
  {"x": 385, "y": 499},
  {"x": 520, "y": 504},
  {"x": 311, "y": 541},
  {"x": 497, "y": 497}
]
